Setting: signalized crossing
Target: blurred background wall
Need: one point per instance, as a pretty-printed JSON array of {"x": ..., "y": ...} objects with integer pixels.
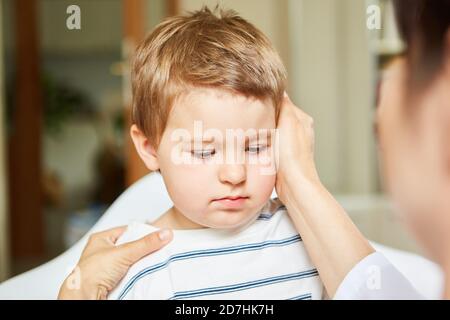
[{"x": 83, "y": 157}]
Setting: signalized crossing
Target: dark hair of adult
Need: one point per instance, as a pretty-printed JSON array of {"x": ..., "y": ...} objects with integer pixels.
[{"x": 424, "y": 26}]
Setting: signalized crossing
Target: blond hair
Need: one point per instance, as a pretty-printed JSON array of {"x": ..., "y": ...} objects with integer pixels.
[{"x": 216, "y": 49}]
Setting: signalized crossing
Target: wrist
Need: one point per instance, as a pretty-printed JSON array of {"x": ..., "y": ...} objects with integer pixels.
[
  {"x": 81, "y": 294},
  {"x": 298, "y": 185},
  {"x": 300, "y": 170},
  {"x": 75, "y": 288}
]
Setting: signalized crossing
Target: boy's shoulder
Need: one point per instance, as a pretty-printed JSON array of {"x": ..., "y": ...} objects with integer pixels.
[
  {"x": 274, "y": 211},
  {"x": 272, "y": 206}
]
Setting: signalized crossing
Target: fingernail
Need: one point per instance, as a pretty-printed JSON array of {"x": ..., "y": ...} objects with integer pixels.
[
  {"x": 285, "y": 94},
  {"x": 164, "y": 235}
]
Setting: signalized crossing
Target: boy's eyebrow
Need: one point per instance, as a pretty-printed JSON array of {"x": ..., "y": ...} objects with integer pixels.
[
  {"x": 204, "y": 139},
  {"x": 263, "y": 134}
]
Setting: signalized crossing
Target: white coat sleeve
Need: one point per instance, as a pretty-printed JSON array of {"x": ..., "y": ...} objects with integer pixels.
[{"x": 373, "y": 278}]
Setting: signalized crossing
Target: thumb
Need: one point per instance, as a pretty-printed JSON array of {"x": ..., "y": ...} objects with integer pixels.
[{"x": 136, "y": 250}]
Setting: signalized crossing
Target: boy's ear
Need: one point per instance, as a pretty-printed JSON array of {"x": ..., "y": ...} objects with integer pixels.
[{"x": 144, "y": 148}]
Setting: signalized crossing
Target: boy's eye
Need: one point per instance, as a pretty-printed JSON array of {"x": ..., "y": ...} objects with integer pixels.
[
  {"x": 203, "y": 154},
  {"x": 255, "y": 149}
]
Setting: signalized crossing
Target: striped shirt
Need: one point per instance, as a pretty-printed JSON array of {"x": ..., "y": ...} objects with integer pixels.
[{"x": 266, "y": 259}]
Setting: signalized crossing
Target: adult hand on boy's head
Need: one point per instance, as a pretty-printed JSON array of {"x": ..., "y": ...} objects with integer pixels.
[
  {"x": 103, "y": 264},
  {"x": 312, "y": 209},
  {"x": 295, "y": 150}
]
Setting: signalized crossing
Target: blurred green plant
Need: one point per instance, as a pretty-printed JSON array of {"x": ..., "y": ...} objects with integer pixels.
[{"x": 60, "y": 102}]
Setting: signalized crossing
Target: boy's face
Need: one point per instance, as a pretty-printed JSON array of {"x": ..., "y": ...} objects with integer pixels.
[{"x": 216, "y": 145}]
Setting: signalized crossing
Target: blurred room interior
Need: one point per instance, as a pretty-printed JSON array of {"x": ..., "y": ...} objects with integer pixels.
[{"x": 65, "y": 96}]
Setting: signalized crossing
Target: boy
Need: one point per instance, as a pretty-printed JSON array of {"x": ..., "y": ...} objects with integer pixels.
[{"x": 207, "y": 89}]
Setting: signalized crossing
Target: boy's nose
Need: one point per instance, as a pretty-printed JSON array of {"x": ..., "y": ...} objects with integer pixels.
[{"x": 232, "y": 173}]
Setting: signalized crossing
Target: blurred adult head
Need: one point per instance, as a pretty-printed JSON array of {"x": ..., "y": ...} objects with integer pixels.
[{"x": 414, "y": 124}]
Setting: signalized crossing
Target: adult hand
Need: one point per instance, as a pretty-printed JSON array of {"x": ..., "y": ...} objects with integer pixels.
[
  {"x": 296, "y": 149},
  {"x": 103, "y": 264},
  {"x": 334, "y": 243}
]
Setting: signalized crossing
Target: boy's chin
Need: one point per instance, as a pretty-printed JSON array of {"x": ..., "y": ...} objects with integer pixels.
[{"x": 231, "y": 223}]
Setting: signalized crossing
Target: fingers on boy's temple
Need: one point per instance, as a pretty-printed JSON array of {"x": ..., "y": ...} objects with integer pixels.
[
  {"x": 286, "y": 97},
  {"x": 288, "y": 102},
  {"x": 302, "y": 115}
]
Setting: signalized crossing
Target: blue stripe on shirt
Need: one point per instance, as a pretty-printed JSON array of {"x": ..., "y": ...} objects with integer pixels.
[
  {"x": 245, "y": 285},
  {"x": 265, "y": 216},
  {"x": 306, "y": 296},
  {"x": 206, "y": 252},
  {"x": 268, "y": 215}
]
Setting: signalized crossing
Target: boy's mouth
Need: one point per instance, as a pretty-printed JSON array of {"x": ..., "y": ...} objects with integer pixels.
[{"x": 231, "y": 201}]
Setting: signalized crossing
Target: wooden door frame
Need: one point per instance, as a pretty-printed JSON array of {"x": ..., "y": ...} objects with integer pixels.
[
  {"x": 4, "y": 224},
  {"x": 134, "y": 31},
  {"x": 25, "y": 167}
]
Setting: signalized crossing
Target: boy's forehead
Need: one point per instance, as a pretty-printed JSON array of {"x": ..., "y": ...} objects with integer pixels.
[{"x": 221, "y": 109}]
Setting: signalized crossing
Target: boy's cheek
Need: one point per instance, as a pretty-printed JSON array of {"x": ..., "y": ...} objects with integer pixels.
[
  {"x": 259, "y": 184},
  {"x": 187, "y": 181}
]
